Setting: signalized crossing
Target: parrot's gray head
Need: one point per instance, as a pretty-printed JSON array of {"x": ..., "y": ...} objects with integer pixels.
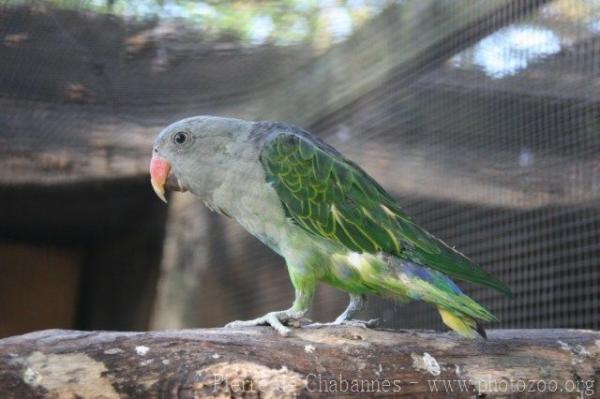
[{"x": 189, "y": 153}]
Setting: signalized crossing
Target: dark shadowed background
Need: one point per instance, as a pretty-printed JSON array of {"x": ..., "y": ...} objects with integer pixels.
[{"x": 481, "y": 116}]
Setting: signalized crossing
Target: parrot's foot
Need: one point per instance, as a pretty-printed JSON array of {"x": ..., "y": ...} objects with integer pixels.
[
  {"x": 273, "y": 319},
  {"x": 353, "y": 323}
]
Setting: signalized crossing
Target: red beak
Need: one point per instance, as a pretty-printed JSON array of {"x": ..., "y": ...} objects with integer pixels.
[{"x": 159, "y": 172}]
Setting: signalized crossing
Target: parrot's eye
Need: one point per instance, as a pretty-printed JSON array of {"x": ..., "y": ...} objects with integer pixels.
[{"x": 180, "y": 137}]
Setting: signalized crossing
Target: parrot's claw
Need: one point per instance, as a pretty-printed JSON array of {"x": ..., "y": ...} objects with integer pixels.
[
  {"x": 273, "y": 319},
  {"x": 352, "y": 323}
]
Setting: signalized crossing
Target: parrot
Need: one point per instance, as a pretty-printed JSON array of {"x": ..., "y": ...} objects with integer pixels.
[{"x": 330, "y": 221}]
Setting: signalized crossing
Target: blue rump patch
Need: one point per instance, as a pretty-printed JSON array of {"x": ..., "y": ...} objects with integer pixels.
[{"x": 429, "y": 275}]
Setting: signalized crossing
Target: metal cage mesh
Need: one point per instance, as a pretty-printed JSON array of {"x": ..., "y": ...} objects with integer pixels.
[
  {"x": 500, "y": 162},
  {"x": 487, "y": 132}
]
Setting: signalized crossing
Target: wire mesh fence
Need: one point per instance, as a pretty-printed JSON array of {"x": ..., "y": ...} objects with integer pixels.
[{"x": 481, "y": 117}]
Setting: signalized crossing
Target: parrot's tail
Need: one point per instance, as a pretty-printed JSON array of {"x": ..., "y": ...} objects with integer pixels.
[
  {"x": 458, "y": 311},
  {"x": 462, "y": 324},
  {"x": 403, "y": 280}
]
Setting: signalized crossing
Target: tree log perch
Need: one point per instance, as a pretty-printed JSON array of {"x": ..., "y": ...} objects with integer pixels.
[{"x": 256, "y": 362}]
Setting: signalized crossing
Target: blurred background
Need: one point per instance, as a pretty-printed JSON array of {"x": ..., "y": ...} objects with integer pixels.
[{"x": 481, "y": 116}]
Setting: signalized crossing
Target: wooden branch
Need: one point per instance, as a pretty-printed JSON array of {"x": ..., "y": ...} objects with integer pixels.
[{"x": 313, "y": 362}]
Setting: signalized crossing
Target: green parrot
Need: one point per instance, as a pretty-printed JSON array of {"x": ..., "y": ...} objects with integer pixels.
[{"x": 322, "y": 213}]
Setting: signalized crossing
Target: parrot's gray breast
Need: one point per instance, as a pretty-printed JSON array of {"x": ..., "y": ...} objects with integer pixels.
[{"x": 244, "y": 195}]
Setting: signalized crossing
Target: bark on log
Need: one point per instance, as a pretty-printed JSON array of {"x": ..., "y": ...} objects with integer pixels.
[{"x": 313, "y": 362}]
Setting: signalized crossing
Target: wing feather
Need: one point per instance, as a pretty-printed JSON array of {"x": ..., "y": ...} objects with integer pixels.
[{"x": 332, "y": 197}]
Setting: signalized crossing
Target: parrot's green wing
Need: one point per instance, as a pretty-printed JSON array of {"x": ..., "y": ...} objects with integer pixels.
[{"x": 332, "y": 197}]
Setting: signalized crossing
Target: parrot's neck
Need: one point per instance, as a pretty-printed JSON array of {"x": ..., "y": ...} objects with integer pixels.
[{"x": 238, "y": 189}]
